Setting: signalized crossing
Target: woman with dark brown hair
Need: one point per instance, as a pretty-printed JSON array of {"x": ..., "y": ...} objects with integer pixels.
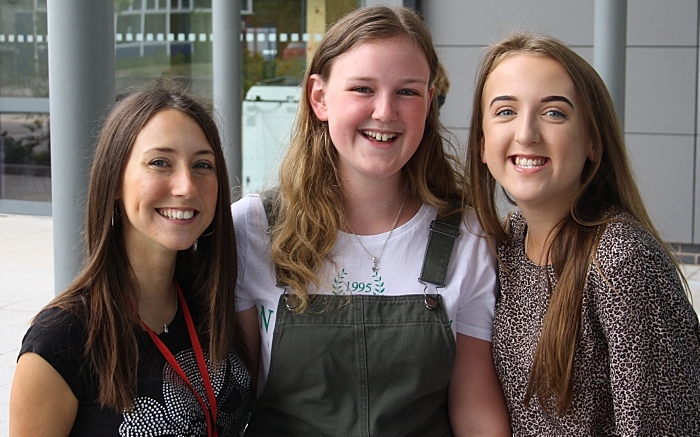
[
  {"x": 594, "y": 334},
  {"x": 145, "y": 341}
]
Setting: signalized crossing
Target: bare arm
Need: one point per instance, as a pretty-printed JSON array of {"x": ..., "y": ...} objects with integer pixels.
[
  {"x": 41, "y": 402},
  {"x": 476, "y": 403},
  {"x": 248, "y": 320}
]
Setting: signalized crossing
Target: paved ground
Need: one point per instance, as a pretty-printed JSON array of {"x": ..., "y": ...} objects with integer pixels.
[{"x": 26, "y": 285}]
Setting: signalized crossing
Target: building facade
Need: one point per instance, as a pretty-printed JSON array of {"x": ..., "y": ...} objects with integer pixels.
[{"x": 156, "y": 38}]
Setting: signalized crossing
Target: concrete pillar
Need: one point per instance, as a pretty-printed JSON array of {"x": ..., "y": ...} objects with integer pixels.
[
  {"x": 390, "y": 3},
  {"x": 610, "y": 49},
  {"x": 82, "y": 87},
  {"x": 227, "y": 73}
]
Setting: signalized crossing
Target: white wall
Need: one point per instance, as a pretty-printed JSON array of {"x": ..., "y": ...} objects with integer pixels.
[{"x": 661, "y": 114}]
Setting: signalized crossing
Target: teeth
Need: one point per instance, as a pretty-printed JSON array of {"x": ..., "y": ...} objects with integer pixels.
[
  {"x": 529, "y": 163},
  {"x": 178, "y": 214},
  {"x": 378, "y": 136}
]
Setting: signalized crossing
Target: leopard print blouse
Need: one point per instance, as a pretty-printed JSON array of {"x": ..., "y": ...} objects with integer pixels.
[{"x": 637, "y": 362}]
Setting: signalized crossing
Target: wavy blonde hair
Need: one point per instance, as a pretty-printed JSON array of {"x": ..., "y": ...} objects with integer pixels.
[
  {"x": 607, "y": 185},
  {"x": 311, "y": 206}
]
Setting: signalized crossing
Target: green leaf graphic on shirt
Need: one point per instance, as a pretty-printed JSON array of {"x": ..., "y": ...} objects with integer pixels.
[
  {"x": 338, "y": 284},
  {"x": 378, "y": 283}
]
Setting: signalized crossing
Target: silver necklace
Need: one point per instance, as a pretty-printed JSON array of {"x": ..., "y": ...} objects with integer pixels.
[
  {"x": 165, "y": 325},
  {"x": 375, "y": 258}
]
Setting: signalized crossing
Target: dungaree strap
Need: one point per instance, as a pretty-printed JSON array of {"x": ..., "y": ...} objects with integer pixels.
[
  {"x": 269, "y": 200},
  {"x": 443, "y": 232}
]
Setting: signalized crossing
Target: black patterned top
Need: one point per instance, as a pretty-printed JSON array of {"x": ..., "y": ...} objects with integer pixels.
[
  {"x": 637, "y": 360},
  {"x": 164, "y": 404}
]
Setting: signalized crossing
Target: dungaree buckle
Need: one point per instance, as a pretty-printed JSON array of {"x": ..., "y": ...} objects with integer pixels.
[
  {"x": 430, "y": 300},
  {"x": 289, "y": 301}
]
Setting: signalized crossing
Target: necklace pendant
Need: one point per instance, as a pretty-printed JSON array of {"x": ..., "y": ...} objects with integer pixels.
[
  {"x": 165, "y": 329},
  {"x": 375, "y": 269}
]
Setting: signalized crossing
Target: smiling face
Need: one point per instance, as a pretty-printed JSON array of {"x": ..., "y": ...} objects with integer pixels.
[
  {"x": 169, "y": 187},
  {"x": 536, "y": 140},
  {"x": 376, "y": 101}
]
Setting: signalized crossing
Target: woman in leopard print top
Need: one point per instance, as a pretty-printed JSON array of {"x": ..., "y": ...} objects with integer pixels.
[{"x": 593, "y": 330}]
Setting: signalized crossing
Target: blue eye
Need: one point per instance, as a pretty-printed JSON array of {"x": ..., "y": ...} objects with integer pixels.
[
  {"x": 506, "y": 112},
  {"x": 555, "y": 113},
  {"x": 362, "y": 89},
  {"x": 408, "y": 93},
  {"x": 158, "y": 163}
]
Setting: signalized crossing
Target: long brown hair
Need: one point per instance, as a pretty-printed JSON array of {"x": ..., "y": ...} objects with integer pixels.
[
  {"x": 608, "y": 185},
  {"x": 311, "y": 202},
  {"x": 100, "y": 294}
]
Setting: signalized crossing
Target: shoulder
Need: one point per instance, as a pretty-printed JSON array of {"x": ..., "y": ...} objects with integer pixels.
[
  {"x": 249, "y": 217},
  {"x": 472, "y": 233},
  {"x": 58, "y": 336},
  {"x": 633, "y": 267},
  {"x": 54, "y": 325},
  {"x": 243, "y": 207},
  {"x": 625, "y": 244}
]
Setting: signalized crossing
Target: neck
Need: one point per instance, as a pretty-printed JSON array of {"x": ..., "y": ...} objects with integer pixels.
[
  {"x": 157, "y": 299},
  {"x": 539, "y": 228},
  {"x": 373, "y": 210}
]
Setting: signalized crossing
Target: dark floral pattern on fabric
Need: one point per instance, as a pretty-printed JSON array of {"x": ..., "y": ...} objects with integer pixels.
[{"x": 181, "y": 415}]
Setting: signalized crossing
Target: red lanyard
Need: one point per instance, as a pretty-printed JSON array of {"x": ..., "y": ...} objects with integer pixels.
[{"x": 209, "y": 415}]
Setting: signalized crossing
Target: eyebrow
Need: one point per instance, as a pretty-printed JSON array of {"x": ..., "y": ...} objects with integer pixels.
[
  {"x": 409, "y": 80},
  {"x": 502, "y": 99},
  {"x": 544, "y": 100},
  {"x": 558, "y": 99},
  {"x": 170, "y": 150}
]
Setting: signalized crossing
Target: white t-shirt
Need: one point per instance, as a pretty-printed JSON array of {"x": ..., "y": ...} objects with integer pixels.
[{"x": 470, "y": 289}]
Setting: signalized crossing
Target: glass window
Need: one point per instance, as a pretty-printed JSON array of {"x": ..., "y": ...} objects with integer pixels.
[
  {"x": 24, "y": 67},
  {"x": 25, "y": 157},
  {"x": 158, "y": 38}
]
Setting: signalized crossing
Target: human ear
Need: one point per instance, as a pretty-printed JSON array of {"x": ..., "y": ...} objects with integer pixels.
[
  {"x": 591, "y": 153},
  {"x": 317, "y": 97}
]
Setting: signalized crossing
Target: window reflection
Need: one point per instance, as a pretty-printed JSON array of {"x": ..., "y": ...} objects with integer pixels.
[
  {"x": 24, "y": 64},
  {"x": 153, "y": 39},
  {"x": 25, "y": 157}
]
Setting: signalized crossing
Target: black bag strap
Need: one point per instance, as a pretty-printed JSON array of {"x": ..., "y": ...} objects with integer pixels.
[{"x": 443, "y": 232}]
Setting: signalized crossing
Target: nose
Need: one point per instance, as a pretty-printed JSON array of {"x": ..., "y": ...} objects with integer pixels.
[
  {"x": 528, "y": 131},
  {"x": 183, "y": 184},
  {"x": 385, "y": 107}
]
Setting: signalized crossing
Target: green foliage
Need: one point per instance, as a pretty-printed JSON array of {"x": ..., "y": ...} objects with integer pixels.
[{"x": 121, "y": 5}]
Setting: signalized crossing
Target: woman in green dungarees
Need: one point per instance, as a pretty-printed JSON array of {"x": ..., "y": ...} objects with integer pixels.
[{"x": 350, "y": 340}]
